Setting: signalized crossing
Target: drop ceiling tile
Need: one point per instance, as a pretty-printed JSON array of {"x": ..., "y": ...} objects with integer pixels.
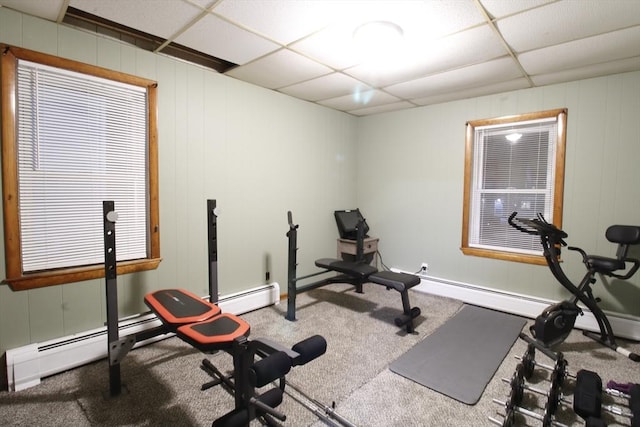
[
  {"x": 44, "y": 9},
  {"x": 402, "y": 105},
  {"x": 162, "y": 19},
  {"x": 564, "y": 21},
  {"x": 359, "y": 99},
  {"x": 502, "y": 8},
  {"x": 329, "y": 86},
  {"x": 576, "y": 54},
  {"x": 487, "y": 73},
  {"x": 280, "y": 69},
  {"x": 332, "y": 46},
  {"x": 424, "y": 58},
  {"x": 221, "y": 39},
  {"x": 283, "y": 21},
  {"x": 597, "y": 70},
  {"x": 515, "y": 84}
]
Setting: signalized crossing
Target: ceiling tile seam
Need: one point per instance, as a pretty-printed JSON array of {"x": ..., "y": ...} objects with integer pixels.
[
  {"x": 186, "y": 27},
  {"x": 592, "y": 64},
  {"x": 522, "y": 11},
  {"x": 63, "y": 11},
  {"x": 579, "y": 38},
  {"x": 494, "y": 28}
]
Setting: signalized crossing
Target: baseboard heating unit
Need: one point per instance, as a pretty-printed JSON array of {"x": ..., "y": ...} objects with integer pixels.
[
  {"x": 27, "y": 365},
  {"x": 522, "y": 305}
]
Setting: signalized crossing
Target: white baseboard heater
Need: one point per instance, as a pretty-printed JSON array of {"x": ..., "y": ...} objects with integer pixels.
[
  {"x": 522, "y": 305},
  {"x": 27, "y": 365}
]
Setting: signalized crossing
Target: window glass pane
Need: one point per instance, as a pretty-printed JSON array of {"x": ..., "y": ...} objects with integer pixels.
[{"x": 513, "y": 173}]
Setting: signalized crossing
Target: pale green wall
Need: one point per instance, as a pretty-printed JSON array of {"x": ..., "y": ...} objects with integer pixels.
[
  {"x": 410, "y": 182},
  {"x": 257, "y": 152},
  {"x": 260, "y": 154}
]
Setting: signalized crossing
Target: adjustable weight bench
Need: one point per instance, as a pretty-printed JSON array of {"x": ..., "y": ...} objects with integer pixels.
[
  {"x": 355, "y": 273},
  {"x": 203, "y": 325}
]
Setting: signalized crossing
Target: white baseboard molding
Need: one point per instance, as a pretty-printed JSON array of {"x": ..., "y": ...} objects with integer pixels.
[
  {"x": 623, "y": 326},
  {"x": 27, "y": 365}
]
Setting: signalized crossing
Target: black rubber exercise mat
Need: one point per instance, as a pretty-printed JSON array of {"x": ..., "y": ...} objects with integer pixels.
[{"x": 460, "y": 357}]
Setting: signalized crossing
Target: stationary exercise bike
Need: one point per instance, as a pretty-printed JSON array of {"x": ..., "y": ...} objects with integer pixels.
[{"x": 556, "y": 322}]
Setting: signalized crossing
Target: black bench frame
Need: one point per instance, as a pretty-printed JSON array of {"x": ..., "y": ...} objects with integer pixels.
[{"x": 355, "y": 273}]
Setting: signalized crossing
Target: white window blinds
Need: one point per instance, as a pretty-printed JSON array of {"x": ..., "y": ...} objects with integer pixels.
[
  {"x": 513, "y": 171},
  {"x": 81, "y": 140}
]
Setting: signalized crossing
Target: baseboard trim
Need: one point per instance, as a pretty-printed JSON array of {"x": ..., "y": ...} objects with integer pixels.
[
  {"x": 27, "y": 365},
  {"x": 523, "y": 305}
]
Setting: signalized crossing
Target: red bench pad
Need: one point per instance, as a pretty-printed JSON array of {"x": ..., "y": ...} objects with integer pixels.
[
  {"x": 214, "y": 334},
  {"x": 177, "y": 307}
]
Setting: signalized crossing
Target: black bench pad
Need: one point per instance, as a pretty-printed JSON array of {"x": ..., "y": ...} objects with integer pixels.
[
  {"x": 398, "y": 281},
  {"x": 358, "y": 270}
]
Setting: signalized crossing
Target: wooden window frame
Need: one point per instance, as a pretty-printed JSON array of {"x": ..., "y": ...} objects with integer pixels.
[
  {"x": 561, "y": 117},
  {"x": 16, "y": 278}
]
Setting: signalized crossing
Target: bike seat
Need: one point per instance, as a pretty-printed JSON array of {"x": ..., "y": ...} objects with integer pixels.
[
  {"x": 624, "y": 236},
  {"x": 604, "y": 264}
]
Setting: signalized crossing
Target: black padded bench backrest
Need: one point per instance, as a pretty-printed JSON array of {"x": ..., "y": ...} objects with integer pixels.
[
  {"x": 398, "y": 281},
  {"x": 357, "y": 270}
]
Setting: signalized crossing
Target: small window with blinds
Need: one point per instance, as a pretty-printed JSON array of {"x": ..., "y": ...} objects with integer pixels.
[
  {"x": 81, "y": 135},
  {"x": 512, "y": 164}
]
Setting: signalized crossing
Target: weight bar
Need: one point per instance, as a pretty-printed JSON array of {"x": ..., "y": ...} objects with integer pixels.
[
  {"x": 511, "y": 410},
  {"x": 518, "y": 386}
]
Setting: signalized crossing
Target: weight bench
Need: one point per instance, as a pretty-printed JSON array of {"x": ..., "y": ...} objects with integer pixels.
[
  {"x": 358, "y": 273},
  {"x": 202, "y": 324},
  {"x": 355, "y": 273}
]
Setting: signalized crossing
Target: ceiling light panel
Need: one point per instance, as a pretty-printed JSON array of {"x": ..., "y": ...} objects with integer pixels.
[
  {"x": 419, "y": 21},
  {"x": 564, "y": 21},
  {"x": 162, "y": 19},
  {"x": 279, "y": 69},
  {"x": 221, "y": 39}
]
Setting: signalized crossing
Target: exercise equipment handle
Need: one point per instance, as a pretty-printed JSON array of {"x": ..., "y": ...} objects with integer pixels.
[{"x": 292, "y": 226}]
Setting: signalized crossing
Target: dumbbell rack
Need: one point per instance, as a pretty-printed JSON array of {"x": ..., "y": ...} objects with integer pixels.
[{"x": 587, "y": 395}]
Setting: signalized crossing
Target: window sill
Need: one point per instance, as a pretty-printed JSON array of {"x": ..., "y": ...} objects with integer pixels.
[
  {"x": 507, "y": 256},
  {"x": 70, "y": 275}
]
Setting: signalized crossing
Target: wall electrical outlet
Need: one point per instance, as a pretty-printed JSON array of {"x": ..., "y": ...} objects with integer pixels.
[{"x": 424, "y": 269}]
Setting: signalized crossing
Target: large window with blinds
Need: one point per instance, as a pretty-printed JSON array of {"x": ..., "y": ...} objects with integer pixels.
[
  {"x": 76, "y": 135},
  {"x": 512, "y": 164}
]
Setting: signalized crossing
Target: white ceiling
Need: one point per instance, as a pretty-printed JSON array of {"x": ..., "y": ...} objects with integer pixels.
[{"x": 452, "y": 49}]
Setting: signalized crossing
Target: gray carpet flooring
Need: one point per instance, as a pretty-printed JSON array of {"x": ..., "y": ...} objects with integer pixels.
[{"x": 163, "y": 379}]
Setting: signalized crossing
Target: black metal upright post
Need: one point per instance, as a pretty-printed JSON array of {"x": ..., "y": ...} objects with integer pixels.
[
  {"x": 360, "y": 241},
  {"x": 110, "y": 275},
  {"x": 292, "y": 234},
  {"x": 213, "y": 250}
]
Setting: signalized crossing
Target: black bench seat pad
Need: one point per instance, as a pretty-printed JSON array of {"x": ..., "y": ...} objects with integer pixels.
[
  {"x": 358, "y": 270},
  {"x": 397, "y": 281}
]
